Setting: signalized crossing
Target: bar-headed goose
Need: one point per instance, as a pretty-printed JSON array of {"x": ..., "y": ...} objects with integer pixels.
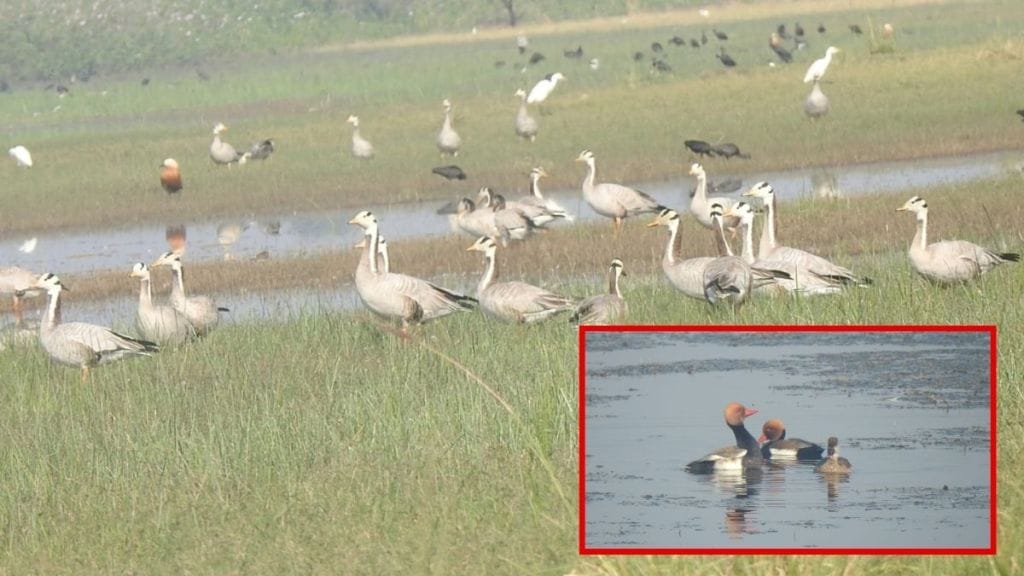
[
  {"x": 611, "y": 200},
  {"x": 201, "y": 311},
  {"x": 158, "y": 322},
  {"x": 513, "y": 301},
  {"x": 608, "y": 308}
]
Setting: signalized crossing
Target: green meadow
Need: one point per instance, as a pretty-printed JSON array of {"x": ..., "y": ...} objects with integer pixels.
[{"x": 324, "y": 443}]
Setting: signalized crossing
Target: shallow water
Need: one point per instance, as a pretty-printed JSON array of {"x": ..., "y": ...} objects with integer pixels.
[
  {"x": 910, "y": 410},
  {"x": 303, "y": 233}
]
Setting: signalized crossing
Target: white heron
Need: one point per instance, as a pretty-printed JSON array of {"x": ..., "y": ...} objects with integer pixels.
[
  {"x": 21, "y": 155},
  {"x": 541, "y": 90},
  {"x": 818, "y": 68}
]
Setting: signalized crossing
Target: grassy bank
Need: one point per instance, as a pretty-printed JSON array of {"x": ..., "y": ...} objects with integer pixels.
[
  {"x": 324, "y": 442},
  {"x": 97, "y": 150}
]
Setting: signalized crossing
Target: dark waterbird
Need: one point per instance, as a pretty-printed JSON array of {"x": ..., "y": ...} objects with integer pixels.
[
  {"x": 703, "y": 38},
  {"x": 699, "y": 147},
  {"x": 728, "y": 150},
  {"x": 1021, "y": 114},
  {"x": 856, "y": 29},
  {"x": 727, "y": 60},
  {"x": 536, "y": 57},
  {"x": 821, "y": 29},
  {"x": 656, "y": 47},
  {"x": 694, "y": 43},
  {"x": 798, "y": 30},
  {"x": 676, "y": 41},
  {"x": 638, "y": 56},
  {"x": 574, "y": 54},
  {"x": 781, "y": 31},
  {"x": 450, "y": 172},
  {"x": 719, "y": 34},
  {"x": 775, "y": 43},
  {"x": 660, "y": 65}
]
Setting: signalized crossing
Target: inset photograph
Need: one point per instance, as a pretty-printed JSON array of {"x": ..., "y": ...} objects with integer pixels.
[{"x": 791, "y": 439}]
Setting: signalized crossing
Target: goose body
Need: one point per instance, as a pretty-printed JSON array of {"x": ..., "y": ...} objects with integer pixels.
[
  {"x": 517, "y": 302},
  {"x": 526, "y": 213},
  {"x": 949, "y": 261},
  {"x": 817, "y": 104},
  {"x": 399, "y": 296},
  {"x": 818, "y": 68},
  {"x": 546, "y": 209},
  {"x": 799, "y": 280},
  {"x": 78, "y": 343},
  {"x": 201, "y": 311},
  {"x": 448, "y": 140},
  {"x": 221, "y": 152},
  {"x": 608, "y": 308},
  {"x": 700, "y": 204},
  {"x": 728, "y": 278},
  {"x": 158, "y": 322},
  {"x": 475, "y": 221},
  {"x": 614, "y": 200},
  {"x": 526, "y": 125},
  {"x": 686, "y": 275},
  {"x": 805, "y": 262},
  {"x": 170, "y": 176},
  {"x": 361, "y": 147}
]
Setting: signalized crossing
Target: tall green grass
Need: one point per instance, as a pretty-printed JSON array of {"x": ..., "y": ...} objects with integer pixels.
[{"x": 325, "y": 443}]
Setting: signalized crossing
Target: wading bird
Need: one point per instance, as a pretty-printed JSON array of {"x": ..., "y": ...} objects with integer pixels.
[
  {"x": 21, "y": 156},
  {"x": 818, "y": 68},
  {"x": 542, "y": 89}
]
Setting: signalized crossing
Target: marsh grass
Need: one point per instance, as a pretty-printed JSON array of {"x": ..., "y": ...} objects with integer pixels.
[
  {"x": 326, "y": 442},
  {"x": 97, "y": 155}
]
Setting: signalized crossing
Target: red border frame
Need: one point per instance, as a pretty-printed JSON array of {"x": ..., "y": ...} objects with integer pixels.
[{"x": 584, "y": 330}]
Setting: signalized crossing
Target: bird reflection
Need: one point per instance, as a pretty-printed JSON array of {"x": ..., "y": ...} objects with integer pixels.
[
  {"x": 736, "y": 522},
  {"x": 832, "y": 482},
  {"x": 176, "y": 237},
  {"x": 825, "y": 184},
  {"x": 228, "y": 233}
]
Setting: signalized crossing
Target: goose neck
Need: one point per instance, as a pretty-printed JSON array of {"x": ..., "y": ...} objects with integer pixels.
[{"x": 490, "y": 271}]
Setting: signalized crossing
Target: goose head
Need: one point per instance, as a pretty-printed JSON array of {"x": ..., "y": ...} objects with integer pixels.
[
  {"x": 538, "y": 173},
  {"x": 917, "y": 205},
  {"x": 220, "y": 127},
  {"x": 51, "y": 283},
  {"x": 697, "y": 170},
  {"x": 497, "y": 202},
  {"x": 586, "y": 156},
  {"x": 447, "y": 104},
  {"x": 761, "y": 190},
  {"x": 617, "y": 268},
  {"x": 666, "y": 217},
  {"x": 171, "y": 258},
  {"x": 139, "y": 270},
  {"x": 485, "y": 197},
  {"x": 465, "y": 206},
  {"x": 365, "y": 220},
  {"x": 169, "y": 163},
  {"x": 521, "y": 93},
  {"x": 832, "y": 51},
  {"x": 353, "y": 120},
  {"x": 484, "y": 244},
  {"x": 743, "y": 211}
]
